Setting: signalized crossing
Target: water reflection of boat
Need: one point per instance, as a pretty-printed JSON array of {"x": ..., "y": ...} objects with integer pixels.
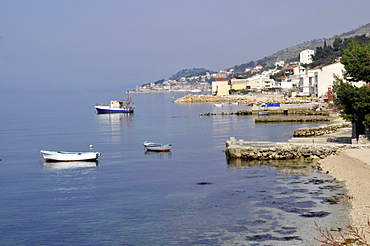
[
  {"x": 162, "y": 155},
  {"x": 69, "y": 165}
]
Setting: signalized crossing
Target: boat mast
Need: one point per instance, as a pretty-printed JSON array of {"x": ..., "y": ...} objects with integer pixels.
[{"x": 129, "y": 100}]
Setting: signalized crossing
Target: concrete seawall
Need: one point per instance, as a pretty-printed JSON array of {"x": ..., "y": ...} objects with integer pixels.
[
  {"x": 285, "y": 151},
  {"x": 302, "y": 147}
]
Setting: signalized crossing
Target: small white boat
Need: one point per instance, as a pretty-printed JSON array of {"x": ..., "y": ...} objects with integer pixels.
[
  {"x": 69, "y": 156},
  {"x": 263, "y": 112},
  {"x": 156, "y": 146},
  {"x": 218, "y": 104}
]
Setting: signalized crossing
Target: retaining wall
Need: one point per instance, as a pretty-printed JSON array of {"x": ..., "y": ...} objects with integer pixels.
[{"x": 284, "y": 151}]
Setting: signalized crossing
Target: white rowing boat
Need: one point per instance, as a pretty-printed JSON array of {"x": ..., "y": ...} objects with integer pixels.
[
  {"x": 156, "y": 146},
  {"x": 69, "y": 156}
]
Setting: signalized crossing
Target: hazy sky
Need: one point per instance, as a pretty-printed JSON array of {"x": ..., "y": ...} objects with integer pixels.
[{"x": 72, "y": 44}]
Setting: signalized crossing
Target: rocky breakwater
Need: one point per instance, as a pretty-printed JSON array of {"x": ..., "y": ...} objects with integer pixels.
[
  {"x": 321, "y": 130},
  {"x": 241, "y": 99},
  {"x": 214, "y": 99}
]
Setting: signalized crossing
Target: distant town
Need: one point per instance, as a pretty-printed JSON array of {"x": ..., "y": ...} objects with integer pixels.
[{"x": 292, "y": 78}]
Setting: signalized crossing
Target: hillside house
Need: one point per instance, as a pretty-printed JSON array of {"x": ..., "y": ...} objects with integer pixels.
[
  {"x": 279, "y": 64},
  {"x": 293, "y": 75},
  {"x": 305, "y": 56}
]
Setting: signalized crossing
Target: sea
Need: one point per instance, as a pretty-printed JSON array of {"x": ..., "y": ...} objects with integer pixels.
[{"x": 191, "y": 195}]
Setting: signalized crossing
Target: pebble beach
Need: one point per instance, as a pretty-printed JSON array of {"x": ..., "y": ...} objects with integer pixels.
[{"x": 353, "y": 167}]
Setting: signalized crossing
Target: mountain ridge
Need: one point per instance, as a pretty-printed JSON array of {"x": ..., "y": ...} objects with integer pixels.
[{"x": 287, "y": 54}]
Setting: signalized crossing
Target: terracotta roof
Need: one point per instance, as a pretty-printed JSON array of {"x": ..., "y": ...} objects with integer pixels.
[
  {"x": 290, "y": 67},
  {"x": 221, "y": 79}
]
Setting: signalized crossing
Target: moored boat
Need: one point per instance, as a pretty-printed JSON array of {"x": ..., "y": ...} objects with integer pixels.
[
  {"x": 157, "y": 146},
  {"x": 263, "y": 112},
  {"x": 122, "y": 106},
  {"x": 69, "y": 156}
]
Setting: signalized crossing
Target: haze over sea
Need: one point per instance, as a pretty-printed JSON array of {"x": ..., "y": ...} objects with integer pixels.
[{"x": 132, "y": 197}]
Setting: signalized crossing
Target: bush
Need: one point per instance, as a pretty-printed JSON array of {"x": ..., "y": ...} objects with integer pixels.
[{"x": 354, "y": 236}]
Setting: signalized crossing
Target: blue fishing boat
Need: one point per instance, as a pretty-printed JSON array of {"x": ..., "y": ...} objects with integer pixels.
[{"x": 122, "y": 106}]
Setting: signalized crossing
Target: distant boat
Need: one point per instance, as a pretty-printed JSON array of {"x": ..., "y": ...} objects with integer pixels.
[
  {"x": 156, "y": 146},
  {"x": 218, "y": 104},
  {"x": 123, "y": 106},
  {"x": 234, "y": 103},
  {"x": 69, "y": 156},
  {"x": 263, "y": 112}
]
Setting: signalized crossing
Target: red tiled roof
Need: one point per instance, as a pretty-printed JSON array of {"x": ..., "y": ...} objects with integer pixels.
[{"x": 290, "y": 67}]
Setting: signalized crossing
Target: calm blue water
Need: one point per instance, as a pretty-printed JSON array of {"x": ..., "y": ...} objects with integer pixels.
[{"x": 136, "y": 198}]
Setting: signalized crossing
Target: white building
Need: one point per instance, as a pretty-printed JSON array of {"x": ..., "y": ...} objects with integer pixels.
[
  {"x": 218, "y": 84},
  {"x": 305, "y": 57},
  {"x": 279, "y": 64},
  {"x": 325, "y": 77},
  {"x": 318, "y": 81},
  {"x": 293, "y": 76},
  {"x": 307, "y": 82}
]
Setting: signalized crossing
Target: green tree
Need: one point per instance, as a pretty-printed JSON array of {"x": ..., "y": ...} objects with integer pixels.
[
  {"x": 356, "y": 61},
  {"x": 353, "y": 101}
]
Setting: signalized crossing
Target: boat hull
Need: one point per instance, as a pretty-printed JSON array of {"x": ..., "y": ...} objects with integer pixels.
[
  {"x": 69, "y": 156},
  {"x": 108, "y": 110},
  {"x": 150, "y": 146},
  {"x": 263, "y": 113}
]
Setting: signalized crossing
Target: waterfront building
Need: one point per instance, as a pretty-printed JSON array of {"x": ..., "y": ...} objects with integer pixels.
[{"x": 219, "y": 86}]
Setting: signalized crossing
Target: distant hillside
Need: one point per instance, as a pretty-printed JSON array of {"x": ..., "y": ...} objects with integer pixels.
[
  {"x": 287, "y": 55},
  {"x": 292, "y": 53},
  {"x": 190, "y": 73}
]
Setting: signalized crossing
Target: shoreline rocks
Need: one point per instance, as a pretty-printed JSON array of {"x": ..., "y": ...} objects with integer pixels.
[
  {"x": 320, "y": 130},
  {"x": 241, "y": 99}
]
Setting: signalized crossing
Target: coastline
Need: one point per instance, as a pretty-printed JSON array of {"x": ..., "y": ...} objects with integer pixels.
[{"x": 353, "y": 167}]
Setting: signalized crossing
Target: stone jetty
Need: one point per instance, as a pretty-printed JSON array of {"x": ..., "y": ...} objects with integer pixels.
[{"x": 308, "y": 148}]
